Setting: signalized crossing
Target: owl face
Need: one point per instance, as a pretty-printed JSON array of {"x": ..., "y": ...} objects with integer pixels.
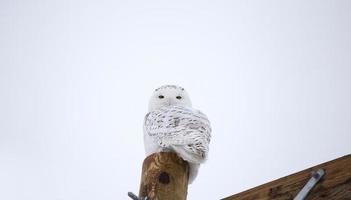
[{"x": 168, "y": 95}]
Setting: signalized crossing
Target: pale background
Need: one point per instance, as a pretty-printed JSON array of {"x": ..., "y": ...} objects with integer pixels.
[{"x": 274, "y": 77}]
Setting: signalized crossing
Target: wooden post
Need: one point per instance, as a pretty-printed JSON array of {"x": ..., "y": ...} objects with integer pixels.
[
  {"x": 164, "y": 177},
  {"x": 334, "y": 185}
]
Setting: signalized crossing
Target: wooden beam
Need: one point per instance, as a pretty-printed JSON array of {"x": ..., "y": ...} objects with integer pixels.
[
  {"x": 164, "y": 177},
  {"x": 334, "y": 185}
]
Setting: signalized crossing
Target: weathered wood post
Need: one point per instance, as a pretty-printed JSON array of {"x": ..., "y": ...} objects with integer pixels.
[
  {"x": 334, "y": 185},
  {"x": 164, "y": 177}
]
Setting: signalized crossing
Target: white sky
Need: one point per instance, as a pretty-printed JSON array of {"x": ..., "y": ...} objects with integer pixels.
[{"x": 274, "y": 77}]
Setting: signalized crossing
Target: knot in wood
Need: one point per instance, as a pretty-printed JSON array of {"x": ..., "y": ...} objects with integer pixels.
[{"x": 163, "y": 178}]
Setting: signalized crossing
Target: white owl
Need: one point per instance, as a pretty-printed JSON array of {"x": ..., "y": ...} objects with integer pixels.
[{"x": 173, "y": 125}]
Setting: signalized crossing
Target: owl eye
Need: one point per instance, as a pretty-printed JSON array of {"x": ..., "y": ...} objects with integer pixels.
[
  {"x": 178, "y": 97},
  {"x": 161, "y": 97}
]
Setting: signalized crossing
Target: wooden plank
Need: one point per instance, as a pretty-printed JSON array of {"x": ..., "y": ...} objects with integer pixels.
[
  {"x": 334, "y": 185},
  {"x": 164, "y": 177}
]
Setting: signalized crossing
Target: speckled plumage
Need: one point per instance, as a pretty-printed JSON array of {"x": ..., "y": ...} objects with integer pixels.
[{"x": 173, "y": 125}]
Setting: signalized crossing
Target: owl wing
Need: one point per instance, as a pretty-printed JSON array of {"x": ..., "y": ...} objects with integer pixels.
[{"x": 184, "y": 129}]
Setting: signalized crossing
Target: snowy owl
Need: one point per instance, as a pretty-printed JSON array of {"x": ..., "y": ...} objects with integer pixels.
[{"x": 173, "y": 125}]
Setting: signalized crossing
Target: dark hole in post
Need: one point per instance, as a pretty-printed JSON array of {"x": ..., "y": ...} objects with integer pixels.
[{"x": 163, "y": 178}]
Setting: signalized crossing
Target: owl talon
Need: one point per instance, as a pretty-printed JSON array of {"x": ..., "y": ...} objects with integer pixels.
[{"x": 165, "y": 149}]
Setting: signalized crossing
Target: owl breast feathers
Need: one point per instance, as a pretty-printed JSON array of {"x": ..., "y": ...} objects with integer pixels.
[{"x": 181, "y": 129}]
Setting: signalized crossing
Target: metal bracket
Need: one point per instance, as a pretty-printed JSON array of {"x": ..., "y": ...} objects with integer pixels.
[
  {"x": 135, "y": 197},
  {"x": 316, "y": 176}
]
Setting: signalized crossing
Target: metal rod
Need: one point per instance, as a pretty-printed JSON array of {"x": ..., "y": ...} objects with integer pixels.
[
  {"x": 135, "y": 197},
  {"x": 316, "y": 176}
]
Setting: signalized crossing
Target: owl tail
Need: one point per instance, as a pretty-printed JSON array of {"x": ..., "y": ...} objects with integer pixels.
[{"x": 193, "y": 170}]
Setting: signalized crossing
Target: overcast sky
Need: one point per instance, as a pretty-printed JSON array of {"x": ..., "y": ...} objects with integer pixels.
[{"x": 274, "y": 78}]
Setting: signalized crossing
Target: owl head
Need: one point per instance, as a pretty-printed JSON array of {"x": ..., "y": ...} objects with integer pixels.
[{"x": 169, "y": 95}]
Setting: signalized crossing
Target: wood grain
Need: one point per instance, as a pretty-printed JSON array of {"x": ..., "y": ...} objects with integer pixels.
[
  {"x": 164, "y": 177},
  {"x": 334, "y": 185}
]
